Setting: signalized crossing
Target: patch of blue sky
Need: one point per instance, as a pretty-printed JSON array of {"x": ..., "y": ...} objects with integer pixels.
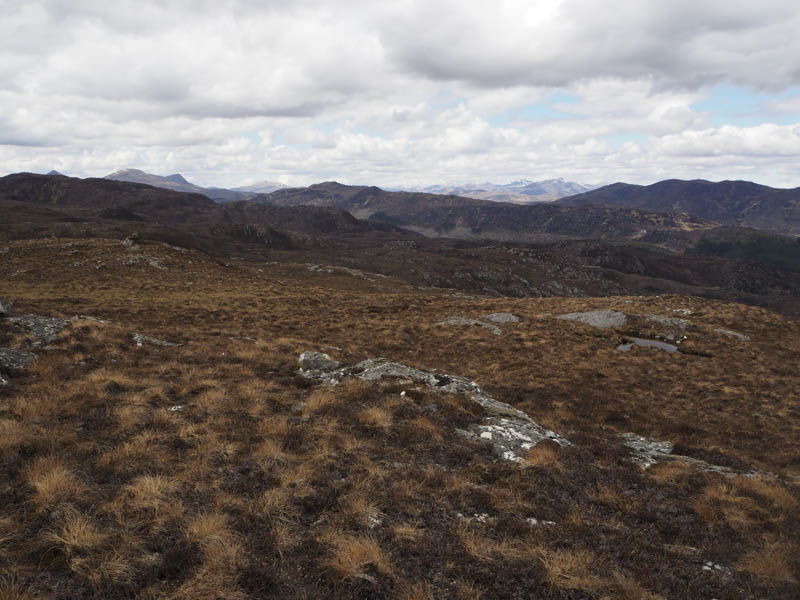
[
  {"x": 253, "y": 137},
  {"x": 444, "y": 99},
  {"x": 734, "y": 105},
  {"x": 618, "y": 139},
  {"x": 544, "y": 110}
]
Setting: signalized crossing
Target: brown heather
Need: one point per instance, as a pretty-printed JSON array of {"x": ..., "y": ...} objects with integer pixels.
[{"x": 213, "y": 470}]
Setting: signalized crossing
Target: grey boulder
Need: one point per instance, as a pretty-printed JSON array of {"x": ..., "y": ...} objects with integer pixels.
[{"x": 317, "y": 361}]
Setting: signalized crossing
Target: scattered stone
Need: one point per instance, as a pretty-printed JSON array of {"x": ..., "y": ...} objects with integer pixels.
[
  {"x": 4, "y": 381},
  {"x": 320, "y": 362},
  {"x": 512, "y": 432},
  {"x": 502, "y": 317},
  {"x": 6, "y": 308},
  {"x": 604, "y": 319},
  {"x": 735, "y": 334},
  {"x": 45, "y": 329},
  {"x": 538, "y": 522},
  {"x": 15, "y": 360},
  {"x": 464, "y": 321},
  {"x": 715, "y": 568},
  {"x": 682, "y": 311},
  {"x": 141, "y": 340},
  {"x": 177, "y": 408}
]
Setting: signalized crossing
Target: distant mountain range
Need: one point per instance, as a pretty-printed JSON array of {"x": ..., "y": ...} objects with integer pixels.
[
  {"x": 178, "y": 183},
  {"x": 522, "y": 191},
  {"x": 436, "y": 215},
  {"x": 735, "y": 203},
  {"x": 261, "y": 187}
]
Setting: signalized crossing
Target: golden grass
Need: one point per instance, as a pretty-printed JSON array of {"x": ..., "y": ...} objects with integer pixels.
[
  {"x": 570, "y": 569},
  {"x": 771, "y": 561},
  {"x": 52, "y": 482},
  {"x": 12, "y": 433},
  {"x": 352, "y": 556},
  {"x": 11, "y": 589},
  {"x": 77, "y": 533},
  {"x": 543, "y": 454},
  {"x": 360, "y": 489},
  {"x": 376, "y": 416}
]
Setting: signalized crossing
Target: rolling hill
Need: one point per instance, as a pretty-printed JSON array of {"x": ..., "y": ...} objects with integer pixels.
[{"x": 737, "y": 203}]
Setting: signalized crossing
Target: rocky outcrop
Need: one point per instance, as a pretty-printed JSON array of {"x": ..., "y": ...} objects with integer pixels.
[
  {"x": 6, "y": 308},
  {"x": 317, "y": 363},
  {"x": 670, "y": 322},
  {"x": 141, "y": 340},
  {"x": 647, "y": 452},
  {"x": 45, "y": 330},
  {"x": 604, "y": 319},
  {"x": 510, "y": 431}
]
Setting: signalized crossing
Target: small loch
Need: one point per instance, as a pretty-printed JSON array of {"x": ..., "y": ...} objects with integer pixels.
[{"x": 630, "y": 342}]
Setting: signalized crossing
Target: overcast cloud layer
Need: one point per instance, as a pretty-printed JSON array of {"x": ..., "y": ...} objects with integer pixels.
[{"x": 403, "y": 93}]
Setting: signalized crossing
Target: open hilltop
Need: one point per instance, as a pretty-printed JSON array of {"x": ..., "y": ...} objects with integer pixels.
[{"x": 175, "y": 425}]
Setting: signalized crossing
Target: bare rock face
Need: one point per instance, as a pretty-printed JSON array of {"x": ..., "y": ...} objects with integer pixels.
[
  {"x": 6, "y": 308},
  {"x": 603, "y": 319}
]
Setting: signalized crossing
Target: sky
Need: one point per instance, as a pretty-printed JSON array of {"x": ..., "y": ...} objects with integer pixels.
[{"x": 403, "y": 93}]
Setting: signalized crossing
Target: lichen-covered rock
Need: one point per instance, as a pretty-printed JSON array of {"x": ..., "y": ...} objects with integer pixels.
[
  {"x": 647, "y": 452},
  {"x": 6, "y": 308},
  {"x": 672, "y": 324},
  {"x": 465, "y": 321},
  {"x": 141, "y": 340},
  {"x": 735, "y": 334},
  {"x": 604, "y": 319},
  {"x": 502, "y": 317},
  {"x": 510, "y": 431},
  {"x": 45, "y": 329},
  {"x": 15, "y": 360},
  {"x": 317, "y": 361}
]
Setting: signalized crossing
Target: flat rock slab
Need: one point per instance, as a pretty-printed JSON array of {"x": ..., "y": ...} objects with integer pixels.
[
  {"x": 604, "y": 319},
  {"x": 45, "y": 329},
  {"x": 510, "y": 431},
  {"x": 15, "y": 360},
  {"x": 465, "y": 321},
  {"x": 502, "y": 317},
  {"x": 735, "y": 334}
]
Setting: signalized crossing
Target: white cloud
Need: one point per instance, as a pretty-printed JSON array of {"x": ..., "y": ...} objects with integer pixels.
[{"x": 392, "y": 93}]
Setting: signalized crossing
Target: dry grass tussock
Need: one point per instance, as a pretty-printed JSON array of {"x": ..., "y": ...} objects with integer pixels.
[{"x": 213, "y": 470}]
